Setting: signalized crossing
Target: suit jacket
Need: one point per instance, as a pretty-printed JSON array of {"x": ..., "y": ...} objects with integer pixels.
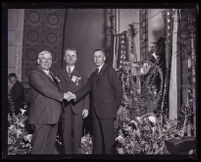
[
  {"x": 68, "y": 84},
  {"x": 17, "y": 93},
  {"x": 106, "y": 92},
  {"x": 46, "y": 98}
]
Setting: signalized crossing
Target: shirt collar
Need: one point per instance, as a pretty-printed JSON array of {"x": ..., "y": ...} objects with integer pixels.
[
  {"x": 100, "y": 67},
  {"x": 46, "y": 71},
  {"x": 71, "y": 67}
]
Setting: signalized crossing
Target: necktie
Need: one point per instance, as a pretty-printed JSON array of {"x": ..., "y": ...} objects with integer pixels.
[
  {"x": 48, "y": 73},
  {"x": 98, "y": 70},
  {"x": 69, "y": 72}
]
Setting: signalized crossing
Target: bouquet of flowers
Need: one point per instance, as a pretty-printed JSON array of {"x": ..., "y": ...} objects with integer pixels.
[
  {"x": 141, "y": 135},
  {"x": 86, "y": 144},
  {"x": 146, "y": 135},
  {"x": 126, "y": 142},
  {"x": 19, "y": 139},
  {"x": 170, "y": 130}
]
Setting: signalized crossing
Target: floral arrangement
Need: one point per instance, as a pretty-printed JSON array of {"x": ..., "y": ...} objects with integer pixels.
[
  {"x": 145, "y": 135},
  {"x": 141, "y": 93},
  {"x": 139, "y": 136},
  {"x": 86, "y": 144},
  {"x": 19, "y": 139},
  {"x": 170, "y": 130}
]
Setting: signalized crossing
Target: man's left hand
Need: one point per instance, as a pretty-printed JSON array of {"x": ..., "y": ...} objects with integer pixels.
[{"x": 85, "y": 113}]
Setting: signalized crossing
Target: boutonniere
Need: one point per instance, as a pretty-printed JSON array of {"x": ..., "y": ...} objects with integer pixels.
[
  {"x": 57, "y": 79},
  {"x": 76, "y": 79}
]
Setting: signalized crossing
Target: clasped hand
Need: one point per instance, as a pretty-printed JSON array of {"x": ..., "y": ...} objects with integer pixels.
[{"x": 69, "y": 96}]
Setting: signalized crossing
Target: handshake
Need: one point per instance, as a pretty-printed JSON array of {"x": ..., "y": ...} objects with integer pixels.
[{"x": 69, "y": 96}]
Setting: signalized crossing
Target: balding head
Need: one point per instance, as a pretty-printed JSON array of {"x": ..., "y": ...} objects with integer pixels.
[
  {"x": 45, "y": 60},
  {"x": 41, "y": 54}
]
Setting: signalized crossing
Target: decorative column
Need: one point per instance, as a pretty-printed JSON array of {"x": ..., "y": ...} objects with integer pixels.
[
  {"x": 173, "y": 91},
  {"x": 165, "y": 97},
  {"x": 18, "y": 63},
  {"x": 15, "y": 41}
]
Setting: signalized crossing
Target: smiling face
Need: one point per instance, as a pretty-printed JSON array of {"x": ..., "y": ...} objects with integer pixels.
[
  {"x": 99, "y": 58},
  {"x": 45, "y": 60}
]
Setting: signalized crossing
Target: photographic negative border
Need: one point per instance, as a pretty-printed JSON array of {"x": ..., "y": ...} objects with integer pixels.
[{"x": 137, "y": 4}]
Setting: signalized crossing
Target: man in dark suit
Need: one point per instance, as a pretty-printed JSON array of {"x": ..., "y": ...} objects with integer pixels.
[
  {"x": 72, "y": 122},
  {"x": 17, "y": 92},
  {"x": 45, "y": 109},
  {"x": 106, "y": 91}
]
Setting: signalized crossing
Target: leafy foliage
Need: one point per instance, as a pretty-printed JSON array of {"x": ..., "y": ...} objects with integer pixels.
[
  {"x": 145, "y": 135},
  {"x": 19, "y": 138}
]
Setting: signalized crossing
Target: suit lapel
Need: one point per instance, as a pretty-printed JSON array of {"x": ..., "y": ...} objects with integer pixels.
[
  {"x": 48, "y": 77},
  {"x": 65, "y": 74},
  {"x": 74, "y": 73},
  {"x": 69, "y": 81},
  {"x": 101, "y": 73},
  {"x": 56, "y": 81},
  {"x": 95, "y": 77}
]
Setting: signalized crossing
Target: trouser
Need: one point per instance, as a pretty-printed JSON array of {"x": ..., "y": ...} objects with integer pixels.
[
  {"x": 72, "y": 132},
  {"x": 104, "y": 138},
  {"x": 44, "y": 137}
]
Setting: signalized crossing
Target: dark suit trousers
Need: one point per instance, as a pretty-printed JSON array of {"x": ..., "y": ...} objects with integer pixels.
[
  {"x": 72, "y": 131},
  {"x": 44, "y": 137},
  {"x": 103, "y": 131}
]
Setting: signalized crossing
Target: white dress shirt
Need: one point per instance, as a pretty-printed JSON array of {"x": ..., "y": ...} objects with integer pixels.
[
  {"x": 71, "y": 68},
  {"x": 99, "y": 68},
  {"x": 48, "y": 73}
]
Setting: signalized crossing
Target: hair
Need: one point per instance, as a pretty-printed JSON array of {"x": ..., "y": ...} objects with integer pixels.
[
  {"x": 99, "y": 50},
  {"x": 44, "y": 52},
  {"x": 70, "y": 49},
  {"x": 12, "y": 75}
]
